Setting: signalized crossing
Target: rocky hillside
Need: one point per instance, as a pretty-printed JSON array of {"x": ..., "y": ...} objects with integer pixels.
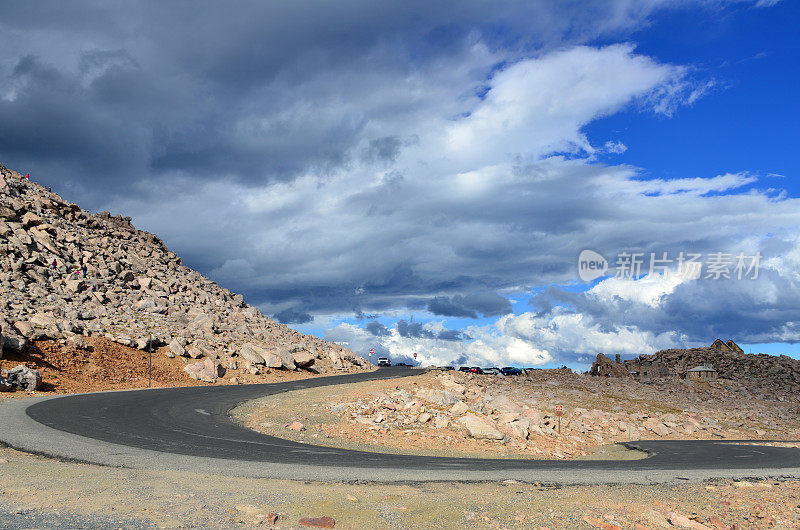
[
  {"x": 768, "y": 373},
  {"x": 135, "y": 292}
]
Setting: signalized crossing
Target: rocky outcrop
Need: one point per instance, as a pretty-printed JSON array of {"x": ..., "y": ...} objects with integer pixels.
[
  {"x": 768, "y": 373},
  {"x": 136, "y": 292}
]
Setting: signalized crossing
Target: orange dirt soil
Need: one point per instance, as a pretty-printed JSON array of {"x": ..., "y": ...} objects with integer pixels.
[{"x": 111, "y": 366}]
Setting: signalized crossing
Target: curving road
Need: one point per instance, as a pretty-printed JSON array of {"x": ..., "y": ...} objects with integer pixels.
[{"x": 189, "y": 428}]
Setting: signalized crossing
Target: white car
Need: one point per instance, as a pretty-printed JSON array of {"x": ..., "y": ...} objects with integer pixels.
[{"x": 384, "y": 361}]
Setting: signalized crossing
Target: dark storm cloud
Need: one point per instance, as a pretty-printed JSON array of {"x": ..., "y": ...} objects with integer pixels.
[
  {"x": 377, "y": 329},
  {"x": 469, "y": 306},
  {"x": 112, "y": 93},
  {"x": 292, "y": 316},
  {"x": 416, "y": 330}
]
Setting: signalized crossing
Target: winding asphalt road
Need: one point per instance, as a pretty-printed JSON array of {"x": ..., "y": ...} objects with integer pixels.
[{"x": 189, "y": 429}]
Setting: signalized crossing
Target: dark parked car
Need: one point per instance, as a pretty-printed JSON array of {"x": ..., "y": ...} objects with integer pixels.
[
  {"x": 475, "y": 369},
  {"x": 402, "y": 364},
  {"x": 510, "y": 370},
  {"x": 465, "y": 369}
]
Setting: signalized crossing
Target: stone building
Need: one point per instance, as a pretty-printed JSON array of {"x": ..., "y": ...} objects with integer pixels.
[
  {"x": 639, "y": 368},
  {"x": 646, "y": 370},
  {"x": 701, "y": 373}
]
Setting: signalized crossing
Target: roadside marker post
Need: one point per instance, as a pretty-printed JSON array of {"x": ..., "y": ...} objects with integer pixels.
[
  {"x": 559, "y": 413},
  {"x": 150, "y": 361}
]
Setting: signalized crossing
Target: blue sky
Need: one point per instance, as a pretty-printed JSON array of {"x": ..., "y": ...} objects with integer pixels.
[
  {"x": 422, "y": 177},
  {"x": 747, "y": 122}
]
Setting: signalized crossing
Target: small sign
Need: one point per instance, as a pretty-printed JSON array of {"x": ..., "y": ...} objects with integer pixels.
[
  {"x": 415, "y": 355},
  {"x": 559, "y": 410},
  {"x": 371, "y": 351}
]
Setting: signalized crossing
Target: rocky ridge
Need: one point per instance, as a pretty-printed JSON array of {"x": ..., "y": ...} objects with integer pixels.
[
  {"x": 771, "y": 374},
  {"x": 135, "y": 292}
]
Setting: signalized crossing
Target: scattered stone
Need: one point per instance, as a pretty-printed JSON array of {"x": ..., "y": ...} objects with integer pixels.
[
  {"x": 318, "y": 522},
  {"x": 295, "y": 426},
  {"x": 459, "y": 408},
  {"x": 656, "y": 518},
  {"x": 597, "y": 523},
  {"x": 678, "y": 519},
  {"x": 77, "y": 342}
]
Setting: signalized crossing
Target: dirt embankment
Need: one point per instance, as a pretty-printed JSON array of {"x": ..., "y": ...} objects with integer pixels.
[{"x": 106, "y": 365}]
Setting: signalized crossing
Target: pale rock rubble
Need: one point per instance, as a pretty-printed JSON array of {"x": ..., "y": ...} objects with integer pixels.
[
  {"x": 136, "y": 292},
  {"x": 519, "y": 412}
]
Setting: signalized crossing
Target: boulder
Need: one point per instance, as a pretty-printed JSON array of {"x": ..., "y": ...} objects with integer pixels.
[
  {"x": 252, "y": 353},
  {"x": 176, "y": 347},
  {"x": 25, "y": 378},
  {"x": 518, "y": 429},
  {"x": 477, "y": 428},
  {"x": 77, "y": 342},
  {"x": 459, "y": 408},
  {"x": 207, "y": 370},
  {"x": 31, "y": 219},
  {"x": 504, "y": 404},
  {"x": 75, "y": 286},
  {"x": 199, "y": 349},
  {"x": 303, "y": 358},
  {"x": 25, "y": 329}
]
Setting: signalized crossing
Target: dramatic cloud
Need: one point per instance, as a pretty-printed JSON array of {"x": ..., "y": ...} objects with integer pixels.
[
  {"x": 336, "y": 159},
  {"x": 487, "y": 304}
]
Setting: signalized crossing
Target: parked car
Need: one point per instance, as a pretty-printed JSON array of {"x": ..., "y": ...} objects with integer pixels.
[
  {"x": 510, "y": 370},
  {"x": 447, "y": 367},
  {"x": 464, "y": 369},
  {"x": 402, "y": 364},
  {"x": 491, "y": 371},
  {"x": 384, "y": 361},
  {"x": 475, "y": 369}
]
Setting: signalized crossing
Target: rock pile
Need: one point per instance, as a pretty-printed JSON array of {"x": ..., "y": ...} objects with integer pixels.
[
  {"x": 771, "y": 374},
  {"x": 134, "y": 291},
  {"x": 517, "y": 414}
]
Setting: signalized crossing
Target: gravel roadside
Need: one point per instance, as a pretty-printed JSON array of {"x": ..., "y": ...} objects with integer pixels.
[{"x": 47, "y": 491}]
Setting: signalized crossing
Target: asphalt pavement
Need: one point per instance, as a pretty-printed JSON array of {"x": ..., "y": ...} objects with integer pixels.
[{"x": 189, "y": 428}]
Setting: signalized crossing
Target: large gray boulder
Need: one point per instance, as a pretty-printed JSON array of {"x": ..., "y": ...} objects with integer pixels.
[
  {"x": 252, "y": 353},
  {"x": 25, "y": 378},
  {"x": 303, "y": 358},
  {"x": 479, "y": 429}
]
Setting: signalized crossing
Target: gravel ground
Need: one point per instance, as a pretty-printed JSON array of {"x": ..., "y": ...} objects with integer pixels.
[{"x": 51, "y": 494}]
